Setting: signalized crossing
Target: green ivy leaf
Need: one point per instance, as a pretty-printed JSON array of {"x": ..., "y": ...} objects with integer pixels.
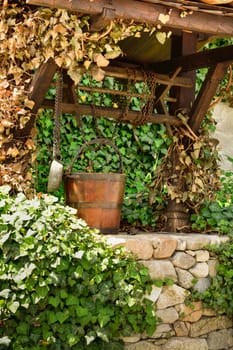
[
  {"x": 52, "y": 317},
  {"x": 54, "y": 301},
  {"x": 62, "y": 316},
  {"x": 13, "y": 306},
  {"x": 4, "y": 238},
  {"x": 73, "y": 340},
  {"x": 72, "y": 300},
  {"x": 81, "y": 311},
  {"x": 42, "y": 292},
  {"x": 5, "y": 293}
]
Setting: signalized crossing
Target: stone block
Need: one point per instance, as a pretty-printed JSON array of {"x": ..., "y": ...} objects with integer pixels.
[
  {"x": 202, "y": 284},
  {"x": 141, "y": 345},
  {"x": 181, "y": 328},
  {"x": 185, "y": 344},
  {"x": 155, "y": 293},
  {"x": 169, "y": 315},
  {"x": 191, "y": 313},
  {"x": 202, "y": 255},
  {"x": 161, "y": 269},
  {"x": 209, "y": 312},
  {"x": 213, "y": 263},
  {"x": 183, "y": 260},
  {"x": 200, "y": 270},
  {"x": 171, "y": 295},
  {"x": 162, "y": 331},
  {"x": 220, "y": 340},
  {"x": 164, "y": 247},
  {"x": 142, "y": 249},
  {"x": 191, "y": 252},
  {"x": 131, "y": 339},
  {"x": 185, "y": 278},
  {"x": 207, "y": 325}
]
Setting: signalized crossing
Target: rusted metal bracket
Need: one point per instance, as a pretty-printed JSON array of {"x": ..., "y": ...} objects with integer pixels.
[{"x": 99, "y": 22}]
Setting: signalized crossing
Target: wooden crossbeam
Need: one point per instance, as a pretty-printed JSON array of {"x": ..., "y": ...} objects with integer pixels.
[
  {"x": 114, "y": 113},
  {"x": 140, "y": 11},
  {"x": 138, "y": 74},
  {"x": 122, "y": 93},
  {"x": 197, "y": 60}
]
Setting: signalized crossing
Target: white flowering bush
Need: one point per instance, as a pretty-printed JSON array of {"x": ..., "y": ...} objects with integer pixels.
[{"x": 61, "y": 285}]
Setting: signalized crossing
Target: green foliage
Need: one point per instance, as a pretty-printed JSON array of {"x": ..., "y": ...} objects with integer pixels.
[
  {"x": 219, "y": 295},
  {"x": 217, "y": 215},
  {"x": 61, "y": 285},
  {"x": 141, "y": 148},
  {"x": 201, "y": 73},
  {"x": 214, "y": 217}
]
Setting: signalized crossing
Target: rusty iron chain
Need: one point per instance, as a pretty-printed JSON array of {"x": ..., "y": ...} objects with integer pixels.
[{"x": 57, "y": 115}]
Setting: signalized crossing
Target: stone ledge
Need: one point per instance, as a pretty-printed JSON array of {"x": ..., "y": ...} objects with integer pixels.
[{"x": 162, "y": 245}]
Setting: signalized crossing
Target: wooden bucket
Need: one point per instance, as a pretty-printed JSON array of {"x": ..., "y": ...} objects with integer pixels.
[{"x": 98, "y": 197}]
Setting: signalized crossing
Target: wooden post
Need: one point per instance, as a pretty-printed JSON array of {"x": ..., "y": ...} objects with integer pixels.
[
  {"x": 177, "y": 213},
  {"x": 182, "y": 46}
]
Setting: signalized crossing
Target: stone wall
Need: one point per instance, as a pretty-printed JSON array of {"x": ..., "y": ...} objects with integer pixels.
[{"x": 182, "y": 258}]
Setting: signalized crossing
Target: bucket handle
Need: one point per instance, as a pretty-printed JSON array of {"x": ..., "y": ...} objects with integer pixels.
[{"x": 101, "y": 141}]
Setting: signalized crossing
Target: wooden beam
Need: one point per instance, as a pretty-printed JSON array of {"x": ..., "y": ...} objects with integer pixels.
[
  {"x": 139, "y": 75},
  {"x": 38, "y": 89},
  {"x": 114, "y": 113},
  {"x": 197, "y": 60},
  {"x": 140, "y": 11},
  {"x": 206, "y": 94},
  {"x": 41, "y": 83},
  {"x": 123, "y": 93}
]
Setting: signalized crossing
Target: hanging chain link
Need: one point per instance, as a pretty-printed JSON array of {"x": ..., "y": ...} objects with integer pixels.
[
  {"x": 76, "y": 104},
  {"x": 57, "y": 115},
  {"x": 150, "y": 84}
]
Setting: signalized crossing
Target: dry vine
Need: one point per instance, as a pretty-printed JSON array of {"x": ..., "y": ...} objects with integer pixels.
[
  {"x": 30, "y": 36},
  {"x": 190, "y": 171}
]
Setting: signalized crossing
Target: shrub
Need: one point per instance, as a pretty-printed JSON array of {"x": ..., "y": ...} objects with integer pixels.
[
  {"x": 61, "y": 285},
  {"x": 217, "y": 215}
]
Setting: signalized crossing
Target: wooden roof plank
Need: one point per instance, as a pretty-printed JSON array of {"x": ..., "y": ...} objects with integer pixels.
[{"x": 147, "y": 12}]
